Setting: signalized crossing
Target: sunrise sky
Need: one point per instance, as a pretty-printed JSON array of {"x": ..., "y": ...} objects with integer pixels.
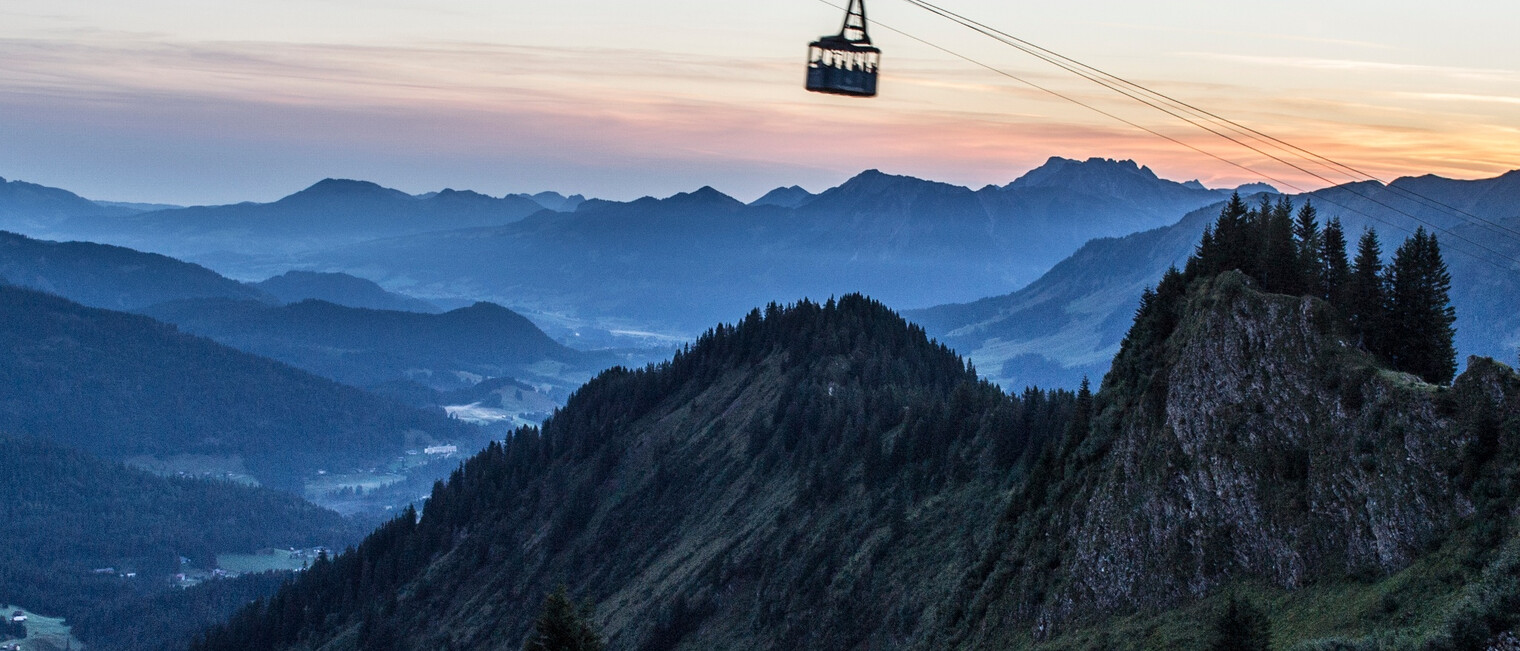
[{"x": 210, "y": 101}]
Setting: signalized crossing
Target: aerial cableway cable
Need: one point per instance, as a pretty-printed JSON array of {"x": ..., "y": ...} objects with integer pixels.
[
  {"x": 1088, "y": 72},
  {"x": 1072, "y": 68},
  {"x": 1097, "y": 76}
]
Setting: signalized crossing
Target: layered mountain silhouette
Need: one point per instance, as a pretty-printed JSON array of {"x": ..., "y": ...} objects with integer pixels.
[
  {"x": 123, "y": 385},
  {"x": 677, "y": 264},
  {"x": 111, "y": 277},
  {"x": 340, "y": 289},
  {"x": 365, "y": 347},
  {"x": 331, "y": 212},
  {"x": 30, "y": 208},
  {"x": 335, "y": 325},
  {"x": 1070, "y": 322}
]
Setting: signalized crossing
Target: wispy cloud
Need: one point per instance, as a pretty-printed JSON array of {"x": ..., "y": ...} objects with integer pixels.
[{"x": 1354, "y": 65}]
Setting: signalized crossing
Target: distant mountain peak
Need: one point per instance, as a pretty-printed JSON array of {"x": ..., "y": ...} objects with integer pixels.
[
  {"x": 346, "y": 189},
  {"x": 1254, "y": 188},
  {"x": 705, "y": 195},
  {"x": 876, "y": 181},
  {"x": 791, "y": 197},
  {"x": 1062, "y": 172}
]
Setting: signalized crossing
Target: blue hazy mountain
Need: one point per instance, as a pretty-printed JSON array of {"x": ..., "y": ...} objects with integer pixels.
[
  {"x": 28, "y": 207},
  {"x": 1069, "y": 323},
  {"x": 340, "y": 289},
  {"x": 789, "y": 197},
  {"x": 556, "y": 201},
  {"x": 122, "y": 385},
  {"x": 111, "y": 277},
  {"x": 337, "y": 326},
  {"x": 674, "y": 265},
  {"x": 331, "y": 212},
  {"x": 366, "y": 347}
]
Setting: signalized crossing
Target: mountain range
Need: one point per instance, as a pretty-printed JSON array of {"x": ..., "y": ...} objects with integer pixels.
[
  {"x": 337, "y": 326},
  {"x": 674, "y": 265},
  {"x": 589, "y": 271},
  {"x": 1070, "y": 322}
]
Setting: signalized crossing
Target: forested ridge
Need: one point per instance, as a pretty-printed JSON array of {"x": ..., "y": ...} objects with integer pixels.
[
  {"x": 123, "y": 385},
  {"x": 783, "y": 463}
]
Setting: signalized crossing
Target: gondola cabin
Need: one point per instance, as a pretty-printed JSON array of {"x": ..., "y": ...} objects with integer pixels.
[{"x": 846, "y": 63}]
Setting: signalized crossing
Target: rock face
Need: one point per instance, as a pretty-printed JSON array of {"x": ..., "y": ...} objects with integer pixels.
[{"x": 1263, "y": 446}]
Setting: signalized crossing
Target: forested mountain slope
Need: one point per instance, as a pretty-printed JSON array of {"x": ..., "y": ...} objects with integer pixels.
[
  {"x": 340, "y": 289},
  {"x": 111, "y": 277},
  {"x": 121, "y": 385},
  {"x": 818, "y": 476},
  {"x": 68, "y": 514},
  {"x": 365, "y": 347}
]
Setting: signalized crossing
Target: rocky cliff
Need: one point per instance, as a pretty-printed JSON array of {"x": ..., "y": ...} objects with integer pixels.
[{"x": 1255, "y": 444}]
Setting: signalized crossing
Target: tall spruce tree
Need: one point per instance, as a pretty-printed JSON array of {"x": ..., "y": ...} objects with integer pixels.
[
  {"x": 1278, "y": 263},
  {"x": 1311, "y": 243},
  {"x": 1225, "y": 246},
  {"x": 1366, "y": 298},
  {"x": 1335, "y": 271},
  {"x": 1420, "y": 332}
]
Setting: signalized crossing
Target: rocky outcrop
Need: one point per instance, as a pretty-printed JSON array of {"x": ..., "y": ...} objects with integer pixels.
[{"x": 1268, "y": 448}]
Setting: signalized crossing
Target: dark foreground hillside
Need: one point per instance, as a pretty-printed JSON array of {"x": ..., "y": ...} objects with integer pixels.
[
  {"x": 825, "y": 478},
  {"x": 813, "y": 477},
  {"x": 121, "y": 385}
]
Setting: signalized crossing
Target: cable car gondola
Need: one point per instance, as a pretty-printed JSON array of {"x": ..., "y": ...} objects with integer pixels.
[{"x": 846, "y": 63}]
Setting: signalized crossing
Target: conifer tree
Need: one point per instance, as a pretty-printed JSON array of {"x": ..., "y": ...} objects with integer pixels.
[
  {"x": 561, "y": 627},
  {"x": 1221, "y": 249},
  {"x": 1310, "y": 241},
  {"x": 1420, "y": 328},
  {"x": 1081, "y": 420},
  {"x": 1366, "y": 302},
  {"x": 1278, "y": 264},
  {"x": 1335, "y": 271}
]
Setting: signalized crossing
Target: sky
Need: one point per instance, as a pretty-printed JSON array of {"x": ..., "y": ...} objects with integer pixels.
[{"x": 212, "y": 101}]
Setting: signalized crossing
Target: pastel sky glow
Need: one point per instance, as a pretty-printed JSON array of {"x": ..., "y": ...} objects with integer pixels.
[{"x": 213, "y": 101}]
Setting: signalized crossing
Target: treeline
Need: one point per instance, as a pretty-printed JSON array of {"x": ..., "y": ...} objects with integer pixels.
[
  {"x": 67, "y": 514},
  {"x": 863, "y": 412},
  {"x": 1401, "y": 312}
]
